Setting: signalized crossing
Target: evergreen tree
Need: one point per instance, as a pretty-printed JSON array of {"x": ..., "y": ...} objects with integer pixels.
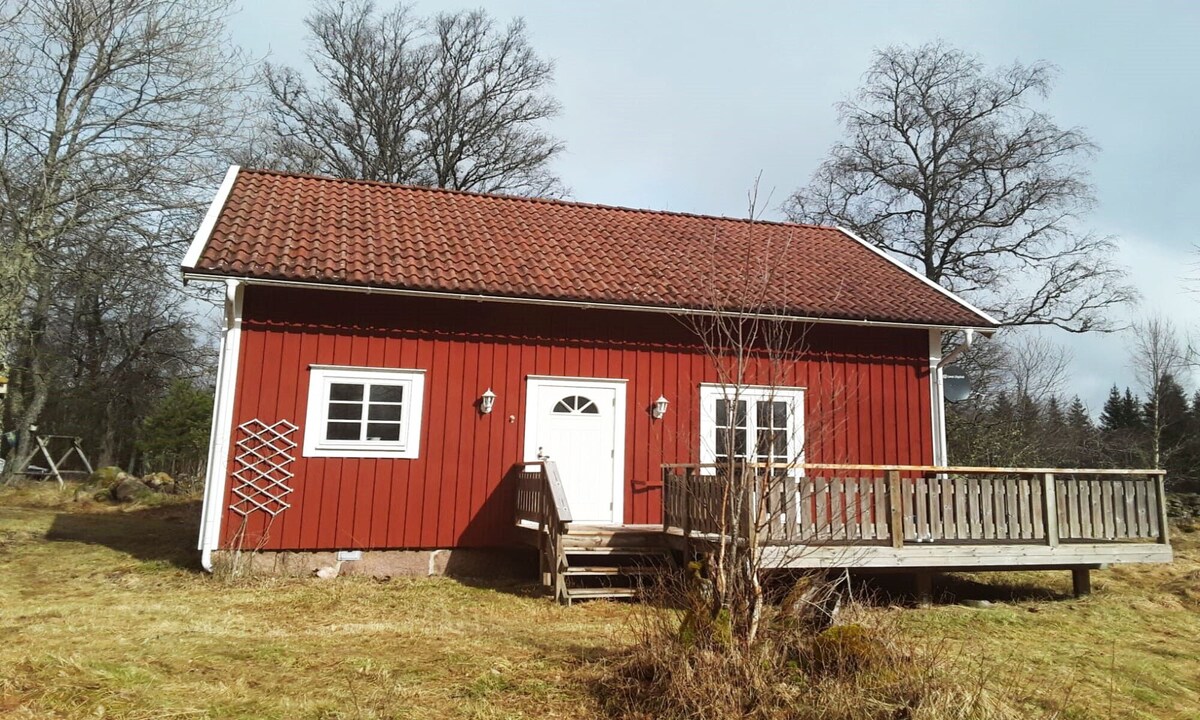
[
  {"x": 1083, "y": 437},
  {"x": 1110, "y": 416},
  {"x": 1077, "y": 415},
  {"x": 1131, "y": 415},
  {"x": 1053, "y": 418},
  {"x": 178, "y": 427}
]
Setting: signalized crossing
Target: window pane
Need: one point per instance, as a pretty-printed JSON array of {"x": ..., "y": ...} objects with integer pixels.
[
  {"x": 387, "y": 393},
  {"x": 385, "y": 432},
  {"x": 762, "y": 446},
  {"x": 385, "y": 412},
  {"x": 343, "y": 431},
  {"x": 345, "y": 411},
  {"x": 771, "y": 413},
  {"x": 780, "y": 450},
  {"x": 772, "y": 444},
  {"x": 739, "y": 443},
  {"x": 345, "y": 391},
  {"x": 723, "y": 413}
]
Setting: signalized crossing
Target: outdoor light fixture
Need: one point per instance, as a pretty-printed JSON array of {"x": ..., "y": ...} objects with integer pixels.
[
  {"x": 660, "y": 408},
  {"x": 487, "y": 401}
]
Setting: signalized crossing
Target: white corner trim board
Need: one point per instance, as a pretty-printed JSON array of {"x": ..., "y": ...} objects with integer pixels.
[
  {"x": 210, "y": 219},
  {"x": 222, "y": 425},
  {"x": 922, "y": 278}
]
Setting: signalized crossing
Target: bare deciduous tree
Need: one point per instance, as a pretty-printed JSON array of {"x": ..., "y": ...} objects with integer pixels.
[
  {"x": 1159, "y": 358},
  {"x": 116, "y": 121},
  {"x": 453, "y": 102},
  {"x": 952, "y": 168}
]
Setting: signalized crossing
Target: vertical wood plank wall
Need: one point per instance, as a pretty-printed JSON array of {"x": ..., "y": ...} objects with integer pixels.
[{"x": 867, "y": 401}]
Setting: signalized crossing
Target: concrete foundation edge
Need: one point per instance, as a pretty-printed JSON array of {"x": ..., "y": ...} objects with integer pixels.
[{"x": 489, "y": 564}]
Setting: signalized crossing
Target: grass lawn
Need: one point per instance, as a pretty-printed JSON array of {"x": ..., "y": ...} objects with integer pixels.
[{"x": 104, "y": 613}]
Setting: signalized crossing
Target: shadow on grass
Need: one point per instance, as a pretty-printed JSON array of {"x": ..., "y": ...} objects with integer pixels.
[
  {"x": 950, "y": 588},
  {"x": 158, "y": 534}
]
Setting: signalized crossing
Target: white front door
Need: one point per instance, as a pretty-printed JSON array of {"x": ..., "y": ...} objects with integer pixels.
[{"x": 579, "y": 423}]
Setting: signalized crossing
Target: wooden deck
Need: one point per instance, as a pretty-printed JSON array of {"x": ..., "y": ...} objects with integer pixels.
[
  {"x": 905, "y": 518},
  {"x": 923, "y": 516}
]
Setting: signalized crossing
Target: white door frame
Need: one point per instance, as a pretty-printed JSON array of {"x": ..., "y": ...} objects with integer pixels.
[{"x": 534, "y": 383}]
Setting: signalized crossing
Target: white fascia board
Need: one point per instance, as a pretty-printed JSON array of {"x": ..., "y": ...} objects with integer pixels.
[
  {"x": 922, "y": 278},
  {"x": 578, "y": 304},
  {"x": 210, "y": 219}
]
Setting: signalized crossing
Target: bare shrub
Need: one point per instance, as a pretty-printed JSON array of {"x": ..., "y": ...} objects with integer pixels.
[{"x": 864, "y": 667}]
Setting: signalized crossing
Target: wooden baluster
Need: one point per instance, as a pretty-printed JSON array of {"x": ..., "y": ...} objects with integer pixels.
[
  {"x": 1050, "y": 509},
  {"x": 896, "y": 508}
]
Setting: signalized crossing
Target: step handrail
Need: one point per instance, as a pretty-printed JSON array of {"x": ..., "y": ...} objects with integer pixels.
[{"x": 541, "y": 498}]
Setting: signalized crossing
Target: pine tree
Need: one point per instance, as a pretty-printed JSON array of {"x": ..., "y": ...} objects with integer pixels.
[
  {"x": 1110, "y": 416},
  {"x": 1131, "y": 413},
  {"x": 1084, "y": 437},
  {"x": 1053, "y": 418},
  {"x": 1077, "y": 415}
]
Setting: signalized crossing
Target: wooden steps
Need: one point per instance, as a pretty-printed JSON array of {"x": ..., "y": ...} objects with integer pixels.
[{"x": 599, "y": 562}]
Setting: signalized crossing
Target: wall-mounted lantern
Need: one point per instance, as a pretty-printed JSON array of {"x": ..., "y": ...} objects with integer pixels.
[
  {"x": 487, "y": 401},
  {"x": 660, "y": 408}
]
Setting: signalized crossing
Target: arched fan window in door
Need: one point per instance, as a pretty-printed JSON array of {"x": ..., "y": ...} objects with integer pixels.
[{"x": 576, "y": 405}]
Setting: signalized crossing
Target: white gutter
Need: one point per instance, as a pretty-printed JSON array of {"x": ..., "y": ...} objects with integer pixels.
[
  {"x": 222, "y": 425},
  {"x": 578, "y": 304}
]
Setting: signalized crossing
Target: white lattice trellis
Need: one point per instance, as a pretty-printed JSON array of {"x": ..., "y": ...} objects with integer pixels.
[{"x": 261, "y": 475}]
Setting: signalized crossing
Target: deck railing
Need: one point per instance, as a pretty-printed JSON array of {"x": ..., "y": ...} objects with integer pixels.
[
  {"x": 824, "y": 504},
  {"x": 542, "y": 502}
]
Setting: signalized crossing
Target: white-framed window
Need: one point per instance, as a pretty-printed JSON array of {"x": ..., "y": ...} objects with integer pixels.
[
  {"x": 751, "y": 423},
  {"x": 364, "y": 412}
]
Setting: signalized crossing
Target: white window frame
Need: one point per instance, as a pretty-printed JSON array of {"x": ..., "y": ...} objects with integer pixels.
[
  {"x": 321, "y": 377},
  {"x": 711, "y": 392}
]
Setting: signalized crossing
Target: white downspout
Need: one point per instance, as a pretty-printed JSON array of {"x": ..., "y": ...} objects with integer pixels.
[
  {"x": 962, "y": 347},
  {"x": 937, "y": 394},
  {"x": 222, "y": 424}
]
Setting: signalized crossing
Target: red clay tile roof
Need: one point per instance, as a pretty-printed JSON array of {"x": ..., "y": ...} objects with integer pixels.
[{"x": 346, "y": 232}]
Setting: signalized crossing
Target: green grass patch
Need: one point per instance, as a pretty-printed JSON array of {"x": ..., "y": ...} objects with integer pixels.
[{"x": 104, "y": 613}]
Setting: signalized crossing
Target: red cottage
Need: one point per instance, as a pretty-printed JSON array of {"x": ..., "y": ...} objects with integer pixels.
[{"x": 408, "y": 369}]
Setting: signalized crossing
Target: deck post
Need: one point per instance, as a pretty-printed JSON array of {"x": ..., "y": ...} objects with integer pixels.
[
  {"x": 1160, "y": 486},
  {"x": 666, "y": 498},
  {"x": 1081, "y": 581},
  {"x": 1050, "y": 509},
  {"x": 924, "y": 583},
  {"x": 896, "y": 505}
]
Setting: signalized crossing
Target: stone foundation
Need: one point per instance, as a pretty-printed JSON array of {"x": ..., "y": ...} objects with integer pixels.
[{"x": 486, "y": 564}]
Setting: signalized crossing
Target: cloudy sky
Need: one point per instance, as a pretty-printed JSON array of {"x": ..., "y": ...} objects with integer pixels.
[{"x": 678, "y": 106}]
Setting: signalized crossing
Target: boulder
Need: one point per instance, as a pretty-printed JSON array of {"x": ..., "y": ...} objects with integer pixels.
[
  {"x": 107, "y": 477},
  {"x": 130, "y": 489},
  {"x": 159, "y": 481}
]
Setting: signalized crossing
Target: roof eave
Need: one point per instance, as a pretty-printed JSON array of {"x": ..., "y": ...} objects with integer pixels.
[
  {"x": 995, "y": 324},
  {"x": 217, "y": 276}
]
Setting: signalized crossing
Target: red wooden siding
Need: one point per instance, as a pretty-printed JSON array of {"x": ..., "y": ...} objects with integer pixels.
[{"x": 867, "y": 401}]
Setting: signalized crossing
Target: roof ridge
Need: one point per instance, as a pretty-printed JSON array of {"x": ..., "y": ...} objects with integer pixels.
[{"x": 536, "y": 200}]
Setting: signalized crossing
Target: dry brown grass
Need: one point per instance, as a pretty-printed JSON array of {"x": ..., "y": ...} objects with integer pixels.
[{"x": 103, "y": 613}]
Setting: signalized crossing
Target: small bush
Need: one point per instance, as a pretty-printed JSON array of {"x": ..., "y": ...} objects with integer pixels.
[{"x": 866, "y": 667}]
